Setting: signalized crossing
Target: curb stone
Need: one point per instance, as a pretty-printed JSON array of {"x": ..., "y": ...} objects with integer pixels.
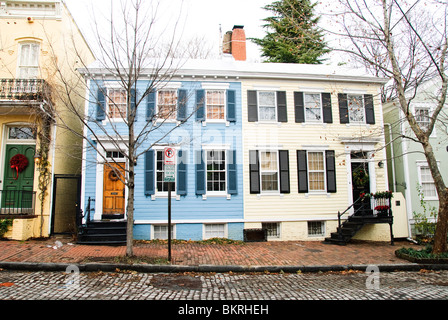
[{"x": 145, "y": 268}]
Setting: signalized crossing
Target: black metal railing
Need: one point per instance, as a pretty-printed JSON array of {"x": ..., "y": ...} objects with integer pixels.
[
  {"x": 17, "y": 202},
  {"x": 367, "y": 207},
  {"x": 23, "y": 89}
]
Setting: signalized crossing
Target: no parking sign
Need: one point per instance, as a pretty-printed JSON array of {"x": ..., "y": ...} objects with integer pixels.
[
  {"x": 170, "y": 156},
  {"x": 170, "y": 161}
]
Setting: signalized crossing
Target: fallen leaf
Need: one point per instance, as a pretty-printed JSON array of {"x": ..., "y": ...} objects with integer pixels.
[{"x": 6, "y": 284}]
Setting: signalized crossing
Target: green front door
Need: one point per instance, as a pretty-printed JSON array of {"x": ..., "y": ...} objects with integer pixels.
[{"x": 18, "y": 187}]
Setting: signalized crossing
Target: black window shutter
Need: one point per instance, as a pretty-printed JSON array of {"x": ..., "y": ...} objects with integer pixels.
[
  {"x": 200, "y": 172},
  {"x": 149, "y": 173},
  {"x": 200, "y": 105},
  {"x": 181, "y": 173},
  {"x": 254, "y": 171},
  {"x": 284, "y": 171},
  {"x": 368, "y": 105},
  {"x": 101, "y": 104},
  {"x": 133, "y": 100},
  {"x": 331, "y": 171},
  {"x": 299, "y": 107},
  {"x": 231, "y": 105},
  {"x": 326, "y": 107},
  {"x": 232, "y": 184},
  {"x": 252, "y": 111},
  {"x": 343, "y": 108},
  {"x": 302, "y": 170},
  {"x": 282, "y": 113},
  {"x": 150, "y": 105},
  {"x": 181, "y": 105}
]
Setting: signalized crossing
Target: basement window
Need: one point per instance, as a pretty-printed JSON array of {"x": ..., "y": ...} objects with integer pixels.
[{"x": 316, "y": 229}]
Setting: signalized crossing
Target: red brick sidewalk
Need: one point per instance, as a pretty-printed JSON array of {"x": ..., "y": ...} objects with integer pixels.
[{"x": 290, "y": 253}]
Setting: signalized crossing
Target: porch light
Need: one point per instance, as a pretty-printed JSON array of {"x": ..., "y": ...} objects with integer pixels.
[
  {"x": 380, "y": 164},
  {"x": 37, "y": 158}
]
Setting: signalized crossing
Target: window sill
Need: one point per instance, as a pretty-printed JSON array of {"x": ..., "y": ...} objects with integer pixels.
[
  {"x": 216, "y": 195},
  {"x": 165, "y": 196},
  {"x": 318, "y": 193},
  {"x": 205, "y": 122}
]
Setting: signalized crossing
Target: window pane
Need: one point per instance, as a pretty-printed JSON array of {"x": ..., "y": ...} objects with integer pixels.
[
  {"x": 267, "y": 109},
  {"x": 215, "y": 100},
  {"x": 214, "y": 231},
  {"x": 316, "y": 228},
  {"x": 273, "y": 230},
  {"x": 266, "y": 99},
  {"x": 356, "y": 108},
  {"x": 167, "y": 104},
  {"x": 117, "y": 103},
  {"x": 428, "y": 187},
  {"x": 269, "y": 170},
  {"x": 313, "y": 111},
  {"x": 316, "y": 171},
  {"x": 422, "y": 117},
  {"x": 22, "y": 133},
  {"x": 216, "y": 173}
]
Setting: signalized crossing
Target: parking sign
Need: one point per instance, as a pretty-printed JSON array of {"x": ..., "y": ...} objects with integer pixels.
[{"x": 170, "y": 156}]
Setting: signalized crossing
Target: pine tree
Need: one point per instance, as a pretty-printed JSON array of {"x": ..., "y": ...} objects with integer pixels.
[{"x": 295, "y": 37}]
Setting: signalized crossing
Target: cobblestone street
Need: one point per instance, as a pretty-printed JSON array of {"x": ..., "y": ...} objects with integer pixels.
[{"x": 124, "y": 285}]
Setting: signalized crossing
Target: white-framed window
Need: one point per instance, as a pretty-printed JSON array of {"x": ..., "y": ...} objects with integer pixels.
[
  {"x": 161, "y": 185},
  {"x": 423, "y": 117},
  {"x": 216, "y": 171},
  {"x": 28, "y": 62},
  {"x": 267, "y": 102},
  {"x": 215, "y": 102},
  {"x": 160, "y": 231},
  {"x": 427, "y": 183},
  {"x": 272, "y": 228},
  {"x": 216, "y": 230},
  {"x": 21, "y": 133},
  {"x": 316, "y": 228},
  {"x": 356, "y": 108},
  {"x": 313, "y": 107},
  {"x": 167, "y": 104},
  {"x": 116, "y": 103},
  {"x": 269, "y": 176},
  {"x": 316, "y": 171}
]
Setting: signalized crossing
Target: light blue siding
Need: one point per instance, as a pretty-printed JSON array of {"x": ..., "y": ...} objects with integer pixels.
[{"x": 193, "y": 135}]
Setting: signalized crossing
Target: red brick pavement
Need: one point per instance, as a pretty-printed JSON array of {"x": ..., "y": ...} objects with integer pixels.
[{"x": 290, "y": 253}]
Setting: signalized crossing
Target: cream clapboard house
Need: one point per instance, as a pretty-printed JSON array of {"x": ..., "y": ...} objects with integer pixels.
[
  {"x": 311, "y": 133},
  {"x": 37, "y": 49}
]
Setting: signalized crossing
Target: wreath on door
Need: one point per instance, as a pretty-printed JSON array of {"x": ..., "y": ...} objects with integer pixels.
[
  {"x": 360, "y": 177},
  {"x": 19, "y": 162},
  {"x": 113, "y": 176}
]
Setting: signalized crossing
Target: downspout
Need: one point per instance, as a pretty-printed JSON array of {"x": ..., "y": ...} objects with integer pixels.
[
  {"x": 407, "y": 179},
  {"x": 53, "y": 156},
  {"x": 392, "y": 155},
  {"x": 52, "y": 171}
]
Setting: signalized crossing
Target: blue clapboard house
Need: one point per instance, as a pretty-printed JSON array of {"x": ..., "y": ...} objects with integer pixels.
[{"x": 197, "y": 112}]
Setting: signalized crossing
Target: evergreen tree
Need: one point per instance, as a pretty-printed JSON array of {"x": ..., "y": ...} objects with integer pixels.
[{"x": 295, "y": 37}]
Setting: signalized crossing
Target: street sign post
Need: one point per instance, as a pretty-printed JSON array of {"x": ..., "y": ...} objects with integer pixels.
[{"x": 169, "y": 178}]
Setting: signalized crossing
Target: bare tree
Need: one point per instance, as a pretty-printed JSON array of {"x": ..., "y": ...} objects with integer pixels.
[
  {"x": 406, "y": 42},
  {"x": 131, "y": 51}
]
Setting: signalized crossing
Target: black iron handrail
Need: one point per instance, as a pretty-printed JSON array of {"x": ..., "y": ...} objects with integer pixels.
[{"x": 380, "y": 205}]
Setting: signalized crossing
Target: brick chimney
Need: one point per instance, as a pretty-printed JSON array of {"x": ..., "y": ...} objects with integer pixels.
[{"x": 234, "y": 42}]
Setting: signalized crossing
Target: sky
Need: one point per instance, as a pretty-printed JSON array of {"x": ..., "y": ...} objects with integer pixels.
[{"x": 208, "y": 18}]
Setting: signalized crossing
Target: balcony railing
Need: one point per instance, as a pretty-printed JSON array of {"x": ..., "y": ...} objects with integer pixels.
[
  {"x": 23, "y": 89},
  {"x": 17, "y": 202}
]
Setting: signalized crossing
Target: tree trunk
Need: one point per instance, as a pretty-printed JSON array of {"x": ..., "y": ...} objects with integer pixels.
[{"x": 440, "y": 236}]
